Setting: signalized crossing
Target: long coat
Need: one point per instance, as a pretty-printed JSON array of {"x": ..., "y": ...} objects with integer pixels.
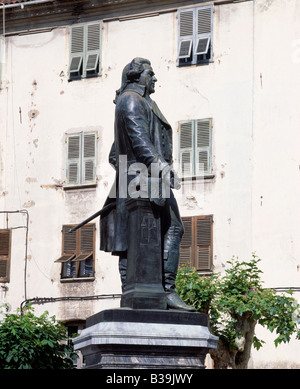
[{"x": 142, "y": 134}]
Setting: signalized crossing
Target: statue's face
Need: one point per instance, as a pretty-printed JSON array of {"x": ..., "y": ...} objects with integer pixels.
[{"x": 148, "y": 79}]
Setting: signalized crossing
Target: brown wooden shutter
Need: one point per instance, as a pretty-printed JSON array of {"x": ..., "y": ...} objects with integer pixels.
[
  {"x": 196, "y": 244},
  {"x": 68, "y": 245},
  {"x": 186, "y": 246},
  {"x": 203, "y": 242},
  {"x": 5, "y": 244},
  {"x": 86, "y": 242}
]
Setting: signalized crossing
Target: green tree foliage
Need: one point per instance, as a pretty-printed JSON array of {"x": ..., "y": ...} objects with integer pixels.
[
  {"x": 235, "y": 303},
  {"x": 31, "y": 342}
]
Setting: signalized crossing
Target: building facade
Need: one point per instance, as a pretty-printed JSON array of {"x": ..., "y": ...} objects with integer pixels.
[{"x": 228, "y": 83}]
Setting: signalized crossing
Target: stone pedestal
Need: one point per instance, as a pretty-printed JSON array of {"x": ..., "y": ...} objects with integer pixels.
[
  {"x": 144, "y": 288},
  {"x": 147, "y": 339}
]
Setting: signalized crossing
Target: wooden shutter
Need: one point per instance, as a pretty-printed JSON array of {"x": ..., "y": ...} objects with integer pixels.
[
  {"x": 89, "y": 158},
  {"x": 203, "y": 150},
  {"x": 204, "y": 29},
  {"x": 93, "y": 48},
  {"x": 203, "y": 241},
  {"x": 5, "y": 244},
  {"x": 186, "y": 33},
  {"x": 186, "y": 148},
  {"x": 73, "y": 158},
  {"x": 78, "y": 250},
  {"x": 68, "y": 245},
  {"x": 196, "y": 243},
  {"x": 186, "y": 246},
  {"x": 76, "y": 51}
]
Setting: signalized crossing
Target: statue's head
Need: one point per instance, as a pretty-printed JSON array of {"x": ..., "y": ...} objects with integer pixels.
[{"x": 140, "y": 71}]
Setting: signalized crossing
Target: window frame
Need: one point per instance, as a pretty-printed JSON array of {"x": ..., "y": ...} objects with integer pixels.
[
  {"x": 74, "y": 257},
  {"x": 77, "y": 164},
  {"x": 190, "y": 244},
  {"x": 194, "y": 149},
  {"x": 5, "y": 254},
  {"x": 84, "y": 43},
  {"x": 193, "y": 34}
]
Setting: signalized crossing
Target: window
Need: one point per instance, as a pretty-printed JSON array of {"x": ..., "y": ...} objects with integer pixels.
[
  {"x": 78, "y": 252},
  {"x": 195, "y": 147},
  {"x": 196, "y": 248},
  {"x": 85, "y": 51},
  {"x": 195, "y": 35},
  {"x": 81, "y": 159},
  {"x": 5, "y": 246}
]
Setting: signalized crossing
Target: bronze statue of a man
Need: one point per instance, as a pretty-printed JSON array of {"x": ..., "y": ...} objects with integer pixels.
[{"x": 144, "y": 136}]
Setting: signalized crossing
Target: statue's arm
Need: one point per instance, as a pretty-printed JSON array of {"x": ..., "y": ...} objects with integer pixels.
[{"x": 112, "y": 156}]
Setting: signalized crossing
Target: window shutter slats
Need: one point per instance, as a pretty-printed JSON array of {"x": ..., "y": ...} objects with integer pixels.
[
  {"x": 93, "y": 37},
  {"x": 69, "y": 241},
  {"x": 204, "y": 20},
  {"x": 89, "y": 160},
  {"x": 186, "y": 23},
  {"x": 76, "y": 50},
  {"x": 203, "y": 242},
  {"x": 186, "y": 31},
  {"x": 196, "y": 243},
  {"x": 5, "y": 243},
  {"x": 73, "y": 157},
  {"x": 203, "y": 142},
  {"x": 87, "y": 238},
  {"x": 186, "y": 138},
  {"x": 185, "y": 257}
]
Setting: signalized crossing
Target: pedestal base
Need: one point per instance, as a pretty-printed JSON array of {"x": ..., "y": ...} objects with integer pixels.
[{"x": 150, "y": 339}]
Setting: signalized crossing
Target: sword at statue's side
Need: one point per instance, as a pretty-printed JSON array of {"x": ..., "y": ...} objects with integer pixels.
[{"x": 107, "y": 208}]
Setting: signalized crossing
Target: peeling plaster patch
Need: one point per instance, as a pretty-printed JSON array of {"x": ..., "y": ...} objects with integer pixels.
[
  {"x": 3, "y": 194},
  {"x": 33, "y": 113},
  {"x": 31, "y": 179},
  {"x": 57, "y": 185},
  {"x": 29, "y": 204}
]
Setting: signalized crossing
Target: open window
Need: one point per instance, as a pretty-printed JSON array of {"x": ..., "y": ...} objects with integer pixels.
[
  {"x": 85, "y": 51},
  {"x": 195, "y": 33},
  {"x": 78, "y": 252}
]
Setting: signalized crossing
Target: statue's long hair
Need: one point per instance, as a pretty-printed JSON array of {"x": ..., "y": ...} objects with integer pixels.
[{"x": 131, "y": 73}]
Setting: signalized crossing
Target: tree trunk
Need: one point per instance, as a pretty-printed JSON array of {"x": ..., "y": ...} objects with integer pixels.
[{"x": 226, "y": 357}]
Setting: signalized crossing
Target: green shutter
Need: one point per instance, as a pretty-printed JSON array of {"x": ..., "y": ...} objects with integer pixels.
[
  {"x": 204, "y": 22},
  {"x": 186, "y": 148},
  {"x": 93, "y": 49},
  {"x": 203, "y": 242},
  {"x": 186, "y": 32},
  {"x": 89, "y": 158},
  {"x": 76, "y": 51},
  {"x": 73, "y": 158},
  {"x": 203, "y": 144},
  {"x": 186, "y": 246}
]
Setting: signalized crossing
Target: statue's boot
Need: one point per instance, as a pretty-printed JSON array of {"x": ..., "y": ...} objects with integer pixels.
[
  {"x": 173, "y": 300},
  {"x": 171, "y": 259}
]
